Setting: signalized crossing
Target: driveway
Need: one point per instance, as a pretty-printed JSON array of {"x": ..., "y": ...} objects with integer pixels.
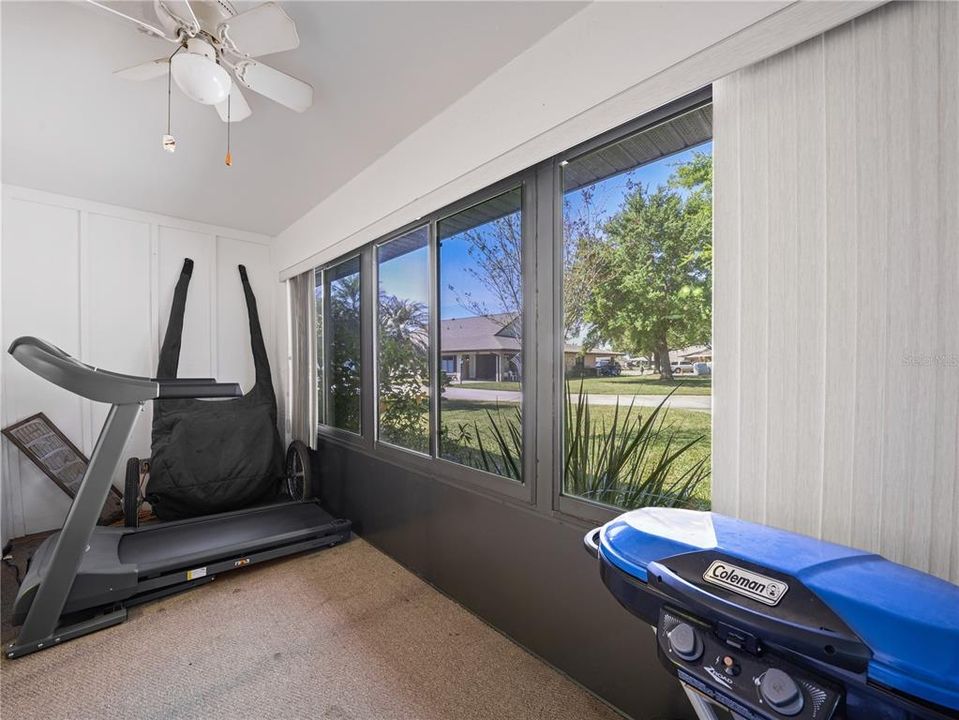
[{"x": 702, "y": 403}]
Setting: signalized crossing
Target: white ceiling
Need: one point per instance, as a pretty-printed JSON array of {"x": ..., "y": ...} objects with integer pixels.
[{"x": 379, "y": 70}]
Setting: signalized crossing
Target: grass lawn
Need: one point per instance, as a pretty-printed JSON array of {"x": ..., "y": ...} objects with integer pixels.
[
  {"x": 623, "y": 385},
  {"x": 687, "y": 425}
]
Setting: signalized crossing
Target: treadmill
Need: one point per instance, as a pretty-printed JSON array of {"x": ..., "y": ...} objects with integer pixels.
[{"x": 83, "y": 577}]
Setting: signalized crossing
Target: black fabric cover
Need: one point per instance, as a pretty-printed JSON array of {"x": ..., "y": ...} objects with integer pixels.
[{"x": 212, "y": 456}]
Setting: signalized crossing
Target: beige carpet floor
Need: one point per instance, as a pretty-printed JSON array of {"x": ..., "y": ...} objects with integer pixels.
[{"x": 346, "y": 633}]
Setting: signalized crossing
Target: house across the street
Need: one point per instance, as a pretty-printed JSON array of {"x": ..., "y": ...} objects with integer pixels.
[
  {"x": 482, "y": 347},
  {"x": 488, "y": 347},
  {"x": 693, "y": 354}
]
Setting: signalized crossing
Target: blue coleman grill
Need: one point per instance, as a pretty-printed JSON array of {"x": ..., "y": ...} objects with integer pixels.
[{"x": 769, "y": 624}]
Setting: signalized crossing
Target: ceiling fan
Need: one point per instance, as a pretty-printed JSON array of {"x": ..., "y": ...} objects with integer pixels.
[{"x": 211, "y": 36}]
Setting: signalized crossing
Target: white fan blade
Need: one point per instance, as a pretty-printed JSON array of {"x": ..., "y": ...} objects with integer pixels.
[
  {"x": 278, "y": 86},
  {"x": 144, "y": 26},
  {"x": 180, "y": 12},
  {"x": 239, "y": 109},
  {"x": 263, "y": 30},
  {"x": 145, "y": 71}
]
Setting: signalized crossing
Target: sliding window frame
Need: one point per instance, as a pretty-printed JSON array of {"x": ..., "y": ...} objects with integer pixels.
[
  {"x": 362, "y": 439},
  {"x": 432, "y": 465},
  {"x": 579, "y": 509},
  {"x": 464, "y": 475},
  {"x": 387, "y": 448}
]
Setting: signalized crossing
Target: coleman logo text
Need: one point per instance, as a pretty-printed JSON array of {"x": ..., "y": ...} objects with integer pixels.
[{"x": 745, "y": 582}]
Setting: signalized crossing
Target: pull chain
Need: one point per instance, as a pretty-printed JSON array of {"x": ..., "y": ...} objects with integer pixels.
[
  {"x": 169, "y": 142},
  {"x": 169, "y": 94},
  {"x": 229, "y": 158}
]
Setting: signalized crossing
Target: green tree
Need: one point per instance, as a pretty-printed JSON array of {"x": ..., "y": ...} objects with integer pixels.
[
  {"x": 583, "y": 245},
  {"x": 695, "y": 179},
  {"x": 404, "y": 372},
  {"x": 656, "y": 267},
  {"x": 344, "y": 365}
]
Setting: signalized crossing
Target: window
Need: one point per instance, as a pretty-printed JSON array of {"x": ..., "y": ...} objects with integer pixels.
[
  {"x": 619, "y": 351},
  {"x": 343, "y": 406},
  {"x": 481, "y": 335},
  {"x": 402, "y": 341},
  {"x": 636, "y": 314}
]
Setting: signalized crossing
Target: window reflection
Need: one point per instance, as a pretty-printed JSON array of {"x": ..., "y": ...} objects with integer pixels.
[{"x": 481, "y": 335}]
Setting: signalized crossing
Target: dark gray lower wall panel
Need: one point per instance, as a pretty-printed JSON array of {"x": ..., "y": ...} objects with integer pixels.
[{"x": 522, "y": 572}]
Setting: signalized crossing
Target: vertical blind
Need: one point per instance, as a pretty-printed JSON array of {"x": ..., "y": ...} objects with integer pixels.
[
  {"x": 836, "y": 291},
  {"x": 303, "y": 367}
]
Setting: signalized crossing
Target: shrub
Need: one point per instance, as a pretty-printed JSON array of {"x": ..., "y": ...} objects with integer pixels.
[{"x": 633, "y": 462}]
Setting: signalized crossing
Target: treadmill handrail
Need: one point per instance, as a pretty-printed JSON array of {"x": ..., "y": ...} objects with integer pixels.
[
  {"x": 54, "y": 364},
  {"x": 189, "y": 388}
]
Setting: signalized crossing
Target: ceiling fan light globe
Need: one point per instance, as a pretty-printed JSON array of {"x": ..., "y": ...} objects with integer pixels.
[{"x": 200, "y": 78}]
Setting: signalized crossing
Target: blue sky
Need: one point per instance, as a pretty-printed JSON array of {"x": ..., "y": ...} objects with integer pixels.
[
  {"x": 608, "y": 194},
  {"x": 455, "y": 261},
  {"x": 408, "y": 275}
]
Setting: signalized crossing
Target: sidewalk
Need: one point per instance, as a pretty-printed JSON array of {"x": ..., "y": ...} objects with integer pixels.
[{"x": 702, "y": 403}]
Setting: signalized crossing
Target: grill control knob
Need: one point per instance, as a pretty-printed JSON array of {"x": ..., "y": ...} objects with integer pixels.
[
  {"x": 781, "y": 692},
  {"x": 685, "y": 642}
]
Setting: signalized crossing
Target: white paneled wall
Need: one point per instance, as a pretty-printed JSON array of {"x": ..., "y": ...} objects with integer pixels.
[
  {"x": 98, "y": 281},
  {"x": 836, "y": 409}
]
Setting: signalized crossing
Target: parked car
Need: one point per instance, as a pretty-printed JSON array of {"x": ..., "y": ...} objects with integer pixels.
[
  {"x": 702, "y": 368},
  {"x": 682, "y": 369},
  {"x": 608, "y": 368}
]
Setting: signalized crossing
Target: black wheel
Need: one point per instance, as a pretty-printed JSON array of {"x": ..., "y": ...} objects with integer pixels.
[
  {"x": 131, "y": 493},
  {"x": 299, "y": 482}
]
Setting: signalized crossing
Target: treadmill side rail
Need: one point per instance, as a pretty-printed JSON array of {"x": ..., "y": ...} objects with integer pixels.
[{"x": 68, "y": 632}]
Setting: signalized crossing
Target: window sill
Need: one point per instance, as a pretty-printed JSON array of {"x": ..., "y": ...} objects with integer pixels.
[
  {"x": 344, "y": 437},
  {"x": 568, "y": 510},
  {"x": 444, "y": 471},
  {"x": 586, "y": 511}
]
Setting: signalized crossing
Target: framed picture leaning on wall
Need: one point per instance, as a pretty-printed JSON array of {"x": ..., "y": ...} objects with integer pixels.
[{"x": 59, "y": 459}]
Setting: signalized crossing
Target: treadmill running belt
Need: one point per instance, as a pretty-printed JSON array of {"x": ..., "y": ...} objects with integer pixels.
[{"x": 208, "y": 539}]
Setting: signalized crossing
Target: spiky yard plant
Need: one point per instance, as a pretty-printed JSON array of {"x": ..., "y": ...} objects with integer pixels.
[{"x": 632, "y": 461}]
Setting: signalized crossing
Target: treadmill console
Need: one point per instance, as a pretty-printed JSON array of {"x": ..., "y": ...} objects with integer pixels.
[{"x": 734, "y": 674}]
